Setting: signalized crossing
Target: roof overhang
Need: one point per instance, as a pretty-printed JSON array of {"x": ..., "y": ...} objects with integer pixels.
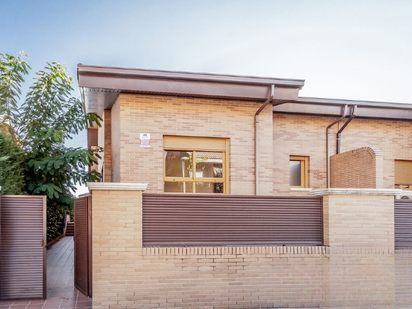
[
  {"x": 100, "y": 86},
  {"x": 335, "y": 107}
]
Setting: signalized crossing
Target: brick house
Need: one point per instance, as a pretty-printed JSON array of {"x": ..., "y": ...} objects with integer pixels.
[
  {"x": 188, "y": 134},
  {"x": 219, "y": 114}
]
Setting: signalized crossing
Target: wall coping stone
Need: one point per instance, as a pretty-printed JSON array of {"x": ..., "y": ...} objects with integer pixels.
[
  {"x": 301, "y": 189},
  {"x": 405, "y": 193},
  {"x": 116, "y": 186},
  {"x": 355, "y": 191}
]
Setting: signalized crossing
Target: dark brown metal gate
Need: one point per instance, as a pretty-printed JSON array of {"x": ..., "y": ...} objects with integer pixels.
[
  {"x": 187, "y": 220},
  {"x": 22, "y": 247},
  {"x": 403, "y": 223},
  {"x": 82, "y": 245}
]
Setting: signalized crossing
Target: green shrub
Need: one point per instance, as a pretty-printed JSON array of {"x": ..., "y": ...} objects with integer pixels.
[{"x": 55, "y": 220}]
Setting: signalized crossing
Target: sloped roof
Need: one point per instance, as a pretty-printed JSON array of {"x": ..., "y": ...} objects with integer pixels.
[{"x": 100, "y": 86}]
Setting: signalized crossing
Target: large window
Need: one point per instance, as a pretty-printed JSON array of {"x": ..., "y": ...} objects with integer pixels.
[
  {"x": 298, "y": 171},
  {"x": 195, "y": 165},
  {"x": 403, "y": 174}
]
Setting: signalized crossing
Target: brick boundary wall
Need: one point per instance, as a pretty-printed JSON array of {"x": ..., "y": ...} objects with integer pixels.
[{"x": 361, "y": 273}]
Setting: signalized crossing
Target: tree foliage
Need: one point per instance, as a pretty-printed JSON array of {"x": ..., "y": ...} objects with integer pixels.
[
  {"x": 11, "y": 167},
  {"x": 12, "y": 71},
  {"x": 47, "y": 118},
  {"x": 55, "y": 220}
]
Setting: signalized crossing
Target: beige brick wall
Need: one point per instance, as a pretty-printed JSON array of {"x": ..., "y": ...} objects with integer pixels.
[
  {"x": 359, "y": 221},
  {"x": 391, "y": 137},
  {"x": 359, "y": 168},
  {"x": 300, "y": 136},
  {"x": 265, "y": 149},
  {"x": 359, "y": 268},
  {"x": 162, "y": 115},
  {"x": 291, "y": 135},
  {"x": 116, "y": 245},
  {"x": 362, "y": 280},
  {"x": 306, "y": 136},
  {"x": 403, "y": 278}
]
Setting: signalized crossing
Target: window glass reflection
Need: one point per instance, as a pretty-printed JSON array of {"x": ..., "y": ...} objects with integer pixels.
[
  {"x": 295, "y": 173},
  {"x": 178, "y": 187},
  {"x": 209, "y": 164},
  {"x": 179, "y": 163},
  {"x": 209, "y": 187}
]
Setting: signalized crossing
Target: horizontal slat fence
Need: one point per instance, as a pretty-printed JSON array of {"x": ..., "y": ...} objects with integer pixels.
[
  {"x": 403, "y": 224},
  {"x": 210, "y": 220},
  {"x": 22, "y": 247}
]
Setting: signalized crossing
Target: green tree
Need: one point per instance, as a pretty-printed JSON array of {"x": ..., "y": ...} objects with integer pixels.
[
  {"x": 12, "y": 71},
  {"x": 48, "y": 117},
  {"x": 11, "y": 166}
]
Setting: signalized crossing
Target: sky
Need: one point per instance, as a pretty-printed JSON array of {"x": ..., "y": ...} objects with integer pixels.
[{"x": 345, "y": 49}]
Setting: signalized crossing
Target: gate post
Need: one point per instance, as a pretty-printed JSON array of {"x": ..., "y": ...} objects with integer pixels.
[
  {"x": 358, "y": 218},
  {"x": 359, "y": 229},
  {"x": 117, "y": 235}
]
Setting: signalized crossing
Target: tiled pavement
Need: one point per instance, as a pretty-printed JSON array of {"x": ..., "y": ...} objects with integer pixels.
[{"x": 61, "y": 292}]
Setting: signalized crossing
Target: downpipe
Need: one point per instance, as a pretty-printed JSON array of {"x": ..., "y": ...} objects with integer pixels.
[
  {"x": 338, "y": 135},
  {"x": 327, "y": 144}
]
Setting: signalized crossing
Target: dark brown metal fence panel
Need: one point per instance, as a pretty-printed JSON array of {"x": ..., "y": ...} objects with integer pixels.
[
  {"x": 82, "y": 244},
  {"x": 23, "y": 251},
  {"x": 187, "y": 220},
  {"x": 403, "y": 224}
]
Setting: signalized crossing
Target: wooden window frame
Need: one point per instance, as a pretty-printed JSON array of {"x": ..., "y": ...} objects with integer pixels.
[
  {"x": 406, "y": 184},
  {"x": 304, "y": 172},
  {"x": 194, "y": 145}
]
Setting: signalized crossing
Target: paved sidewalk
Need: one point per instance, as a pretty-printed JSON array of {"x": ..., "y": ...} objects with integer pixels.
[{"x": 61, "y": 292}]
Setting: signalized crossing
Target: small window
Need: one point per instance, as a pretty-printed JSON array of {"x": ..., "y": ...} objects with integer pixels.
[
  {"x": 298, "y": 171},
  {"x": 403, "y": 174},
  {"x": 195, "y": 165}
]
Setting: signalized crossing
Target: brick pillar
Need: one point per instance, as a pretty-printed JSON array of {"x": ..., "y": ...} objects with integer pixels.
[
  {"x": 359, "y": 229},
  {"x": 116, "y": 238},
  {"x": 358, "y": 217}
]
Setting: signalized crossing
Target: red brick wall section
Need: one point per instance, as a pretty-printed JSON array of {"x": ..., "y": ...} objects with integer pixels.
[
  {"x": 359, "y": 168},
  {"x": 393, "y": 138}
]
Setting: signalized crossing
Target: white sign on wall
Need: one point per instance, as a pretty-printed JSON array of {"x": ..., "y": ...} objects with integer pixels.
[{"x": 144, "y": 139}]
